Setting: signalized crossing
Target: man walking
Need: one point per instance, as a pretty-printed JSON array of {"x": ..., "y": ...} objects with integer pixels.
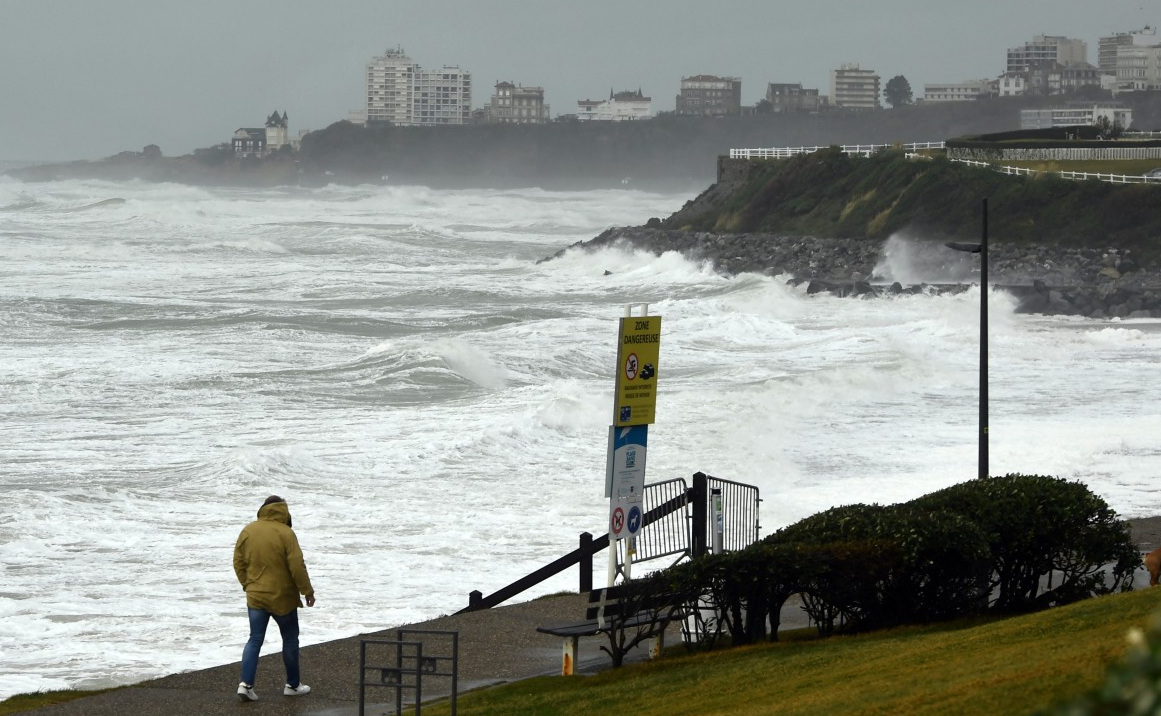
[{"x": 269, "y": 564}]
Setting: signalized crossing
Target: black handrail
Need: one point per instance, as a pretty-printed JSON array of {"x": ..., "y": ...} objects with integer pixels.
[{"x": 583, "y": 555}]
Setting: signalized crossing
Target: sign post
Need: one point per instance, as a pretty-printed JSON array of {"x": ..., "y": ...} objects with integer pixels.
[{"x": 634, "y": 407}]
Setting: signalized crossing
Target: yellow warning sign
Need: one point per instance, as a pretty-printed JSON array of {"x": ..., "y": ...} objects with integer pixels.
[{"x": 638, "y": 348}]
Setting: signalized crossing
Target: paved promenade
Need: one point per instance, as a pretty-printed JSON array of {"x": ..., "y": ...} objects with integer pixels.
[{"x": 495, "y": 646}]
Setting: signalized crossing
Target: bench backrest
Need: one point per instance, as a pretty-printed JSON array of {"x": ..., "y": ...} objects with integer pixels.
[{"x": 621, "y": 600}]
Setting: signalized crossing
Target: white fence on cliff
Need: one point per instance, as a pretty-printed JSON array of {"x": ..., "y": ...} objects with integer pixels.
[
  {"x": 910, "y": 149},
  {"x": 1076, "y": 176},
  {"x": 860, "y": 149}
]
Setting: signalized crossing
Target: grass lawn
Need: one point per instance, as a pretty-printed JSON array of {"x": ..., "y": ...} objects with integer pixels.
[{"x": 1005, "y": 667}]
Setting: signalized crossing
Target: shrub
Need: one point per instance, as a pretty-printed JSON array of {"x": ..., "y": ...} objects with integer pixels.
[
  {"x": 879, "y": 566},
  {"x": 1051, "y": 540}
]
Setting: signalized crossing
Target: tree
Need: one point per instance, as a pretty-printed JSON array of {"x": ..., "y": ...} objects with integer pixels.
[
  {"x": 898, "y": 91},
  {"x": 763, "y": 106},
  {"x": 1108, "y": 129}
]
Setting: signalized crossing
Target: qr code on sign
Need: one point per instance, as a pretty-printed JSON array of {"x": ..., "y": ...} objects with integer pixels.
[{"x": 630, "y": 458}]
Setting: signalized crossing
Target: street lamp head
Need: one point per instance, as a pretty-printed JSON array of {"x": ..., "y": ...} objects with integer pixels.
[{"x": 961, "y": 246}]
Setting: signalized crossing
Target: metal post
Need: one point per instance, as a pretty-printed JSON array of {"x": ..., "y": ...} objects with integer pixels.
[
  {"x": 699, "y": 514},
  {"x": 362, "y": 677},
  {"x": 983, "y": 461},
  {"x": 586, "y": 562},
  {"x": 981, "y": 249},
  {"x": 718, "y": 527}
]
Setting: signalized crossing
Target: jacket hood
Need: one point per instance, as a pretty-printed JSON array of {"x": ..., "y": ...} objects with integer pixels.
[{"x": 276, "y": 511}]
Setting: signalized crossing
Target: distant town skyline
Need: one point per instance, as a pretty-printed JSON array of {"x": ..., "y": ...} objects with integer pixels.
[{"x": 86, "y": 80}]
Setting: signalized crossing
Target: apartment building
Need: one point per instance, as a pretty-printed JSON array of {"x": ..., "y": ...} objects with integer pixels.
[
  {"x": 710, "y": 96},
  {"x": 1075, "y": 115},
  {"x": 956, "y": 91},
  {"x": 1109, "y": 45},
  {"x": 401, "y": 93},
  {"x": 1047, "y": 77},
  {"x": 516, "y": 104},
  {"x": 852, "y": 87},
  {"x": 619, "y": 107},
  {"x": 1046, "y": 48},
  {"x": 1138, "y": 67},
  {"x": 785, "y": 97}
]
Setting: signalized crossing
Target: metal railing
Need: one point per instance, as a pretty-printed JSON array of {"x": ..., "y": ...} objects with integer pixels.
[
  {"x": 740, "y": 513},
  {"x": 668, "y": 534},
  {"x": 403, "y": 665},
  {"x": 676, "y": 522}
]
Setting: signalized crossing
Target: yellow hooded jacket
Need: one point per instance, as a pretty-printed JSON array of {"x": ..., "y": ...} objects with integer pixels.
[{"x": 269, "y": 563}]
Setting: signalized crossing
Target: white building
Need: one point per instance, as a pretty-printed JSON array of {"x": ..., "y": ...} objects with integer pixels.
[
  {"x": 1075, "y": 116},
  {"x": 515, "y": 104},
  {"x": 277, "y": 131},
  {"x": 1138, "y": 67},
  {"x": 619, "y": 107},
  {"x": 1109, "y": 45},
  {"x": 854, "y": 88},
  {"x": 401, "y": 93},
  {"x": 1011, "y": 85},
  {"x": 1046, "y": 48},
  {"x": 956, "y": 92}
]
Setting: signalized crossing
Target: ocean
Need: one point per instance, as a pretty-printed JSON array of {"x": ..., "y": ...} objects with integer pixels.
[{"x": 434, "y": 403}]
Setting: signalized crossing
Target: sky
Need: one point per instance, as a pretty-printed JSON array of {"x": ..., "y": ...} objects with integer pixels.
[{"x": 85, "y": 79}]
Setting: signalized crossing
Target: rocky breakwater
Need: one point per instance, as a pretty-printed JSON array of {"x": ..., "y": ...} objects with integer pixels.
[{"x": 1098, "y": 283}]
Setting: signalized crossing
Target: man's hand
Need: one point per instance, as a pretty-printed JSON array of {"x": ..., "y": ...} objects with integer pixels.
[{"x": 310, "y": 601}]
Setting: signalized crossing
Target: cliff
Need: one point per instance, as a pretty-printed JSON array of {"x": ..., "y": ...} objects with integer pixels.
[
  {"x": 832, "y": 221},
  {"x": 828, "y": 193}
]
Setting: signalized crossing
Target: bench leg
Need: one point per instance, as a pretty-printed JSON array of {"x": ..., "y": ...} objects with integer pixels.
[
  {"x": 657, "y": 645},
  {"x": 568, "y": 661}
]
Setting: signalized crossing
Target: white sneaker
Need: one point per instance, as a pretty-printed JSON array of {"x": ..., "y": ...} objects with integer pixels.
[
  {"x": 300, "y": 690},
  {"x": 246, "y": 692}
]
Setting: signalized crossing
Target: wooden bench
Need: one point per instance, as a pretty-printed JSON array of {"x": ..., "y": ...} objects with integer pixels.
[{"x": 627, "y": 615}]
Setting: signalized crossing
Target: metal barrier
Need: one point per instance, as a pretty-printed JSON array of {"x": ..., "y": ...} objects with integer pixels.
[
  {"x": 409, "y": 668},
  {"x": 740, "y": 513},
  {"x": 676, "y": 522},
  {"x": 669, "y": 533}
]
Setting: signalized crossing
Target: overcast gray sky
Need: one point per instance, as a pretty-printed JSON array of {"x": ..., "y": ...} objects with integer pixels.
[{"x": 83, "y": 79}]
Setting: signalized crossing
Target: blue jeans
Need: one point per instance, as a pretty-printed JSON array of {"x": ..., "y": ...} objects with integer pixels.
[{"x": 288, "y": 625}]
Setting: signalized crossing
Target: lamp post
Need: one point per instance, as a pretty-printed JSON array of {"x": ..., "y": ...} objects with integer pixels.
[{"x": 981, "y": 249}]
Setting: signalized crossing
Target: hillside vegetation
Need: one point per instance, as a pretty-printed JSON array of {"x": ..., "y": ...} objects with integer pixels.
[{"x": 831, "y": 194}]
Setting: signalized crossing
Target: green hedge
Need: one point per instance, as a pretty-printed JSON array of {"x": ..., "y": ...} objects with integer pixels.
[{"x": 1011, "y": 543}]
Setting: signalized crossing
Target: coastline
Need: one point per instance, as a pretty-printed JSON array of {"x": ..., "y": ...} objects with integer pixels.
[{"x": 1097, "y": 283}]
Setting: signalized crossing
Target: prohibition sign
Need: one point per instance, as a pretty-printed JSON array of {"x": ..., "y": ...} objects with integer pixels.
[
  {"x": 631, "y": 366},
  {"x": 618, "y": 520}
]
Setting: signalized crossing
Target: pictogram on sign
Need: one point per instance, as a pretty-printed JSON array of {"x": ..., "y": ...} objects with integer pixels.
[
  {"x": 631, "y": 366},
  {"x": 618, "y": 521},
  {"x": 634, "y": 519}
]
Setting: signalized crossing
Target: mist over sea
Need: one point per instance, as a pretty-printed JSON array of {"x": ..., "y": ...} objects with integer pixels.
[{"x": 434, "y": 404}]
